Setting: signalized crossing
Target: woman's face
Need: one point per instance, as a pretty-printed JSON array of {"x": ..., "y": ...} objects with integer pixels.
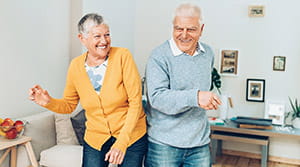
[{"x": 97, "y": 41}]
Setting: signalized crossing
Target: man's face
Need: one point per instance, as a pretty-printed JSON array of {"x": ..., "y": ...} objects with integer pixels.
[
  {"x": 97, "y": 40},
  {"x": 186, "y": 33}
]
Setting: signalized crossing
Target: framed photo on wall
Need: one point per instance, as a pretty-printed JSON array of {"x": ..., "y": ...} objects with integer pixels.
[
  {"x": 255, "y": 90},
  {"x": 229, "y": 62},
  {"x": 256, "y": 11},
  {"x": 275, "y": 111},
  {"x": 278, "y": 63}
]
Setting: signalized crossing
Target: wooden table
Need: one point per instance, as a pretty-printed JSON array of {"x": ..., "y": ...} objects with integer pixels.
[
  {"x": 231, "y": 126},
  {"x": 230, "y": 131},
  {"x": 11, "y": 146}
]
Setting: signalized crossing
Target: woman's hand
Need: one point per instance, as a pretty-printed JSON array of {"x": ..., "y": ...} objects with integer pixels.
[
  {"x": 114, "y": 156},
  {"x": 39, "y": 95}
]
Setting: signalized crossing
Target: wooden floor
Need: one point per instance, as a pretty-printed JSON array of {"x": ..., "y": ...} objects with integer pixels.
[{"x": 235, "y": 161}]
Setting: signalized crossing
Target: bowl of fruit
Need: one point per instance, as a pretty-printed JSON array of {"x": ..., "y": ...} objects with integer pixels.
[{"x": 11, "y": 129}]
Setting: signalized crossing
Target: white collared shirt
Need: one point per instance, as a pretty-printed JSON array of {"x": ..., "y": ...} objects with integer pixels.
[{"x": 176, "y": 51}]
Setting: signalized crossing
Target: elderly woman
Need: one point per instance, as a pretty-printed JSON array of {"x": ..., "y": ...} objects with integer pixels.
[{"x": 106, "y": 81}]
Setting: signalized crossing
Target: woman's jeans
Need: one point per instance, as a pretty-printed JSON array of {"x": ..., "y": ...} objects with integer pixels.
[
  {"x": 159, "y": 155},
  {"x": 133, "y": 157}
]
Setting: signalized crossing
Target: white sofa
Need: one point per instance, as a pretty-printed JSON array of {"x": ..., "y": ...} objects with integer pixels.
[{"x": 53, "y": 141}]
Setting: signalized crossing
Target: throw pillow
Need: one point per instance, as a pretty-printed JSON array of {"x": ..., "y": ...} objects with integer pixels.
[
  {"x": 78, "y": 122},
  {"x": 64, "y": 131}
]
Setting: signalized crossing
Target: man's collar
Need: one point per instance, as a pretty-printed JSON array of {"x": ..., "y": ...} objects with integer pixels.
[{"x": 176, "y": 51}]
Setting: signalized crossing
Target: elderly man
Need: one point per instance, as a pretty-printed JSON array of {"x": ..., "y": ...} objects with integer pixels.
[{"x": 178, "y": 77}]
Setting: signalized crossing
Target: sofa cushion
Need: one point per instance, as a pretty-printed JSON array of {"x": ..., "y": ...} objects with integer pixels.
[
  {"x": 62, "y": 156},
  {"x": 78, "y": 122},
  {"x": 40, "y": 127},
  {"x": 64, "y": 131}
]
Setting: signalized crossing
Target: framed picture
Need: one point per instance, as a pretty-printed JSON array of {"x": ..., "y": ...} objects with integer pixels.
[
  {"x": 229, "y": 62},
  {"x": 275, "y": 111},
  {"x": 255, "y": 90},
  {"x": 256, "y": 11},
  {"x": 278, "y": 63}
]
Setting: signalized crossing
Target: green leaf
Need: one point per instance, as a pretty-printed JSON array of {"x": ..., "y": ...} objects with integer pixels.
[
  {"x": 218, "y": 84},
  {"x": 291, "y": 102},
  {"x": 295, "y": 112},
  {"x": 215, "y": 80},
  {"x": 211, "y": 86}
]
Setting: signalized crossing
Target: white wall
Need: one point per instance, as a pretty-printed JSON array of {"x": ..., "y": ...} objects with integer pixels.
[
  {"x": 153, "y": 27},
  {"x": 76, "y": 14},
  {"x": 120, "y": 16},
  {"x": 258, "y": 39},
  {"x": 34, "y": 48}
]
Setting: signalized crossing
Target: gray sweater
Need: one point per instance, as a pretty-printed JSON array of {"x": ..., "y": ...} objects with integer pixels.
[{"x": 174, "y": 117}]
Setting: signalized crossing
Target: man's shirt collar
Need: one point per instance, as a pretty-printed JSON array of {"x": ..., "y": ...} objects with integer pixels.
[{"x": 176, "y": 51}]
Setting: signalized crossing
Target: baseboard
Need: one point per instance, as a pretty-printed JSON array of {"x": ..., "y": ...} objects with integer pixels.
[{"x": 258, "y": 156}]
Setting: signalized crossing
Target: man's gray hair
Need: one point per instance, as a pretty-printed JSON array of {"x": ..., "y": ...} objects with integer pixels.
[
  {"x": 188, "y": 10},
  {"x": 88, "y": 21}
]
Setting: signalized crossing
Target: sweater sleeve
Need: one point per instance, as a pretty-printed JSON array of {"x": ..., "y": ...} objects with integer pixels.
[
  {"x": 161, "y": 97},
  {"x": 70, "y": 98},
  {"x": 132, "y": 83}
]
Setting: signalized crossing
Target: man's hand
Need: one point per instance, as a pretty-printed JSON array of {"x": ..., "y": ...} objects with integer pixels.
[
  {"x": 39, "y": 95},
  {"x": 208, "y": 100},
  {"x": 114, "y": 156}
]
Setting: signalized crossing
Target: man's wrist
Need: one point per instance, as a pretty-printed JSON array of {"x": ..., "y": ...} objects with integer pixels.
[{"x": 198, "y": 94}]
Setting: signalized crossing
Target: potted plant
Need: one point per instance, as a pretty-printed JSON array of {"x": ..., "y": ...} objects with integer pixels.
[
  {"x": 294, "y": 113},
  {"x": 215, "y": 80},
  {"x": 216, "y": 83}
]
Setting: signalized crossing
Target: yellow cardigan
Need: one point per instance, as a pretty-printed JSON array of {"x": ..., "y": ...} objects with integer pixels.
[{"x": 117, "y": 111}]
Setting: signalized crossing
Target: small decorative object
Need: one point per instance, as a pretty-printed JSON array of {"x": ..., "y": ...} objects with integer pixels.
[
  {"x": 275, "y": 111},
  {"x": 255, "y": 90},
  {"x": 278, "y": 63},
  {"x": 215, "y": 121},
  {"x": 224, "y": 107},
  {"x": 295, "y": 113},
  {"x": 256, "y": 11},
  {"x": 229, "y": 62}
]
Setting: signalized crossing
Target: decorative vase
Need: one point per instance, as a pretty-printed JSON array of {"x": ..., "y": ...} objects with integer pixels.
[
  {"x": 296, "y": 123},
  {"x": 223, "y": 108}
]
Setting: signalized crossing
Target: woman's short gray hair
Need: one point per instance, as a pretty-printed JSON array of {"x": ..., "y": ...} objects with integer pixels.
[
  {"x": 188, "y": 10},
  {"x": 87, "y": 21}
]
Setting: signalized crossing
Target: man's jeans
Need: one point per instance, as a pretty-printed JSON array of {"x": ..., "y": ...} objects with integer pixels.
[
  {"x": 133, "y": 157},
  {"x": 159, "y": 155}
]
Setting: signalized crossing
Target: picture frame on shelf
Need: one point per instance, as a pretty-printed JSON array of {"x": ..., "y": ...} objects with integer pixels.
[
  {"x": 229, "y": 62},
  {"x": 256, "y": 11},
  {"x": 255, "y": 90},
  {"x": 275, "y": 111},
  {"x": 279, "y": 63}
]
